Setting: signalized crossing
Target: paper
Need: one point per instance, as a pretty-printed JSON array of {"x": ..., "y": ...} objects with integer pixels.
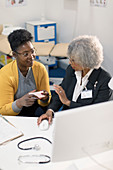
[
  {"x": 38, "y": 94},
  {"x": 8, "y": 131}
]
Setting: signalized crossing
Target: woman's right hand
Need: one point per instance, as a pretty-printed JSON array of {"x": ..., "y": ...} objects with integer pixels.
[
  {"x": 27, "y": 100},
  {"x": 48, "y": 115}
]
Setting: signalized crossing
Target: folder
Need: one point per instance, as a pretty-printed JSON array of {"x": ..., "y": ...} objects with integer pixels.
[{"x": 8, "y": 131}]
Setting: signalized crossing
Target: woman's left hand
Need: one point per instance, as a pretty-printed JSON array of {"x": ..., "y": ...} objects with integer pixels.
[
  {"x": 46, "y": 94},
  {"x": 60, "y": 91}
]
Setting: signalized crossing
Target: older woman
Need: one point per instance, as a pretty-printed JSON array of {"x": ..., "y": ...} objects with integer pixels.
[
  {"x": 85, "y": 81},
  {"x": 22, "y": 76}
]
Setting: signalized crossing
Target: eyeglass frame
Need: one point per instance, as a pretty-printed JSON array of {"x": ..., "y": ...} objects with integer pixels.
[
  {"x": 32, "y": 52},
  {"x": 71, "y": 60}
]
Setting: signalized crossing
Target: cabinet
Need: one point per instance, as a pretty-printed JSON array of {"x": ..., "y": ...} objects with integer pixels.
[{"x": 42, "y": 31}]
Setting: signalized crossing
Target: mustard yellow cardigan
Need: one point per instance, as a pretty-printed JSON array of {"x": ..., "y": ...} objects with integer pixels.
[{"x": 9, "y": 81}]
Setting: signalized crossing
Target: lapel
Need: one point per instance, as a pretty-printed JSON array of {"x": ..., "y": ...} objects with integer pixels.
[
  {"x": 71, "y": 84},
  {"x": 93, "y": 78}
]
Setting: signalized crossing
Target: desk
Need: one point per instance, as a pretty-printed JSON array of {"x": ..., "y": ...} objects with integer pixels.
[{"x": 9, "y": 153}]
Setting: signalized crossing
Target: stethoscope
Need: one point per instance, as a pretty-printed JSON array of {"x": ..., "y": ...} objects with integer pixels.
[{"x": 41, "y": 158}]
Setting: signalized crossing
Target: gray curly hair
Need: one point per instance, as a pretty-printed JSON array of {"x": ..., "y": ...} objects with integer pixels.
[{"x": 86, "y": 51}]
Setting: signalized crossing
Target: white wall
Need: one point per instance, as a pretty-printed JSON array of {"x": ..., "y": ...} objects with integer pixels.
[
  {"x": 77, "y": 17},
  {"x": 98, "y": 21},
  {"x": 19, "y": 15},
  {"x": 64, "y": 12},
  {"x": 73, "y": 17}
]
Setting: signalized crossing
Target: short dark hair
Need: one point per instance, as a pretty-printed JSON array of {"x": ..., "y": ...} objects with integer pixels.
[{"x": 19, "y": 37}]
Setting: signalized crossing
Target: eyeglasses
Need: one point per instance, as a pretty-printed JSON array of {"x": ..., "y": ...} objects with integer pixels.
[
  {"x": 71, "y": 60},
  {"x": 27, "y": 53}
]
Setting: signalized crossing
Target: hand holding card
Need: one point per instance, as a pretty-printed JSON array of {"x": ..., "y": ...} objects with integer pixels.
[{"x": 38, "y": 94}]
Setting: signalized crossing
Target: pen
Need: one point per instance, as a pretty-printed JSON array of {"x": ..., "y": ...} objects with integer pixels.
[{"x": 6, "y": 120}]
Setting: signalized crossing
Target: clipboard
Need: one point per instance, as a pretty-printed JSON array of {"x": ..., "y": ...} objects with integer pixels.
[{"x": 8, "y": 131}]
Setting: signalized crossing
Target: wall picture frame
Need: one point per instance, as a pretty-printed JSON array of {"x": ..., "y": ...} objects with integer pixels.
[
  {"x": 13, "y": 3},
  {"x": 99, "y": 3}
]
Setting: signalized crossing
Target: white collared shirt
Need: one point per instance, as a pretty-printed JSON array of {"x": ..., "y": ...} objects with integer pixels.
[{"x": 81, "y": 83}]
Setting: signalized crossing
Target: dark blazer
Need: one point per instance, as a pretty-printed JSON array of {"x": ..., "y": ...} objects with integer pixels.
[{"x": 100, "y": 90}]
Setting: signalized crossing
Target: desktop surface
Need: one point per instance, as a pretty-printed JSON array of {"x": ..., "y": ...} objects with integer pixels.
[{"x": 10, "y": 153}]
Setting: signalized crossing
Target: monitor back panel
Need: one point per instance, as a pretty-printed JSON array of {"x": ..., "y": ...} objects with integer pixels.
[{"x": 83, "y": 130}]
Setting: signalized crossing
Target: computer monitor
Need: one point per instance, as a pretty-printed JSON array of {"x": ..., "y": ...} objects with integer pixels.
[{"x": 80, "y": 130}]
